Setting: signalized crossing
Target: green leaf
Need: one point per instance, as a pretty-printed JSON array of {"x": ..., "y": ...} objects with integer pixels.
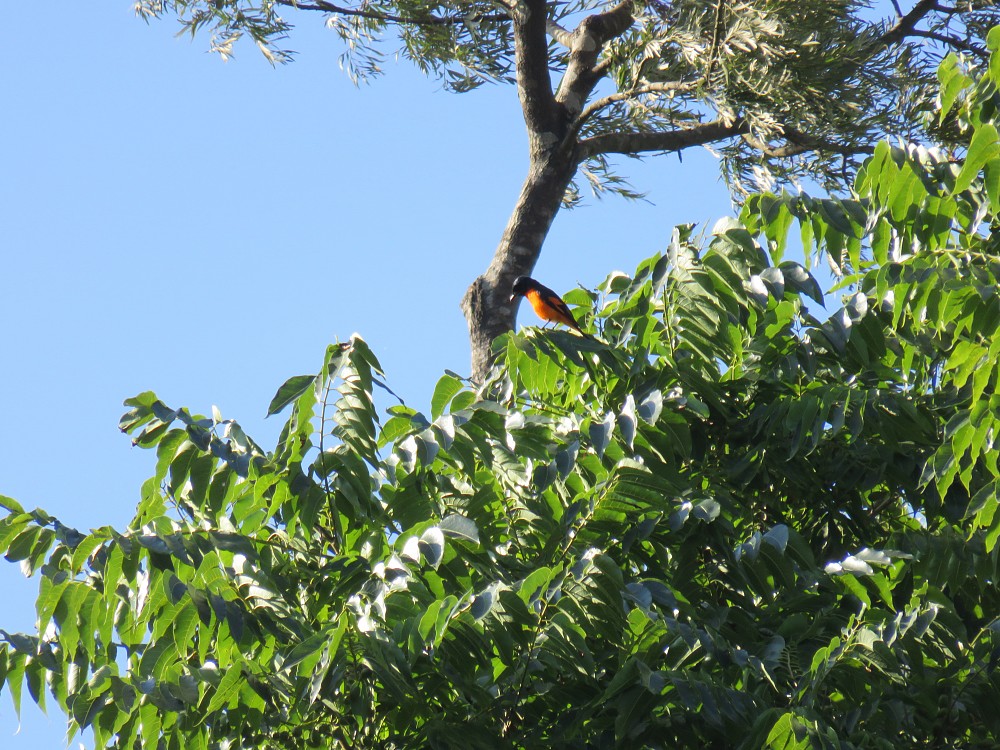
[
  {"x": 431, "y": 546},
  {"x": 290, "y": 390},
  {"x": 445, "y": 390},
  {"x": 985, "y": 147},
  {"x": 532, "y": 587},
  {"x": 627, "y": 420},
  {"x": 953, "y": 81},
  {"x": 991, "y": 180},
  {"x": 650, "y": 407},
  {"x": 185, "y": 625},
  {"x": 789, "y": 733},
  {"x": 600, "y": 433},
  {"x": 304, "y": 650},
  {"x": 799, "y": 280},
  {"x": 460, "y": 527},
  {"x": 993, "y": 44},
  {"x": 228, "y": 686},
  {"x": 10, "y": 505},
  {"x": 21, "y": 545},
  {"x": 463, "y": 400},
  {"x": 835, "y": 213},
  {"x": 86, "y": 548}
]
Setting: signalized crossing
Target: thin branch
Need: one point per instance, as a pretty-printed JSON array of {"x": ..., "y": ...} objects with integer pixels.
[
  {"x": 952, "y": 41},
  {"x": 673, "y": 87},
  {"x": 429, "y": 20},
  {"x": 815, "y": 143},
  {"x": 775, "y": 152},
  {"x": 713, "y": 52},
  {"x": 602, "y": 67},
  {"x": 801, "y": 143}
]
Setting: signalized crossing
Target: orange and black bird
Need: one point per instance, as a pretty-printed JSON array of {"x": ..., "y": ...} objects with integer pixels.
[{"x": 547, "y": 304}]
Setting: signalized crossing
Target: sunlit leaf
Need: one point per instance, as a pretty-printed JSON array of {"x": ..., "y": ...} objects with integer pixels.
[{"x": 289, "y": 391}]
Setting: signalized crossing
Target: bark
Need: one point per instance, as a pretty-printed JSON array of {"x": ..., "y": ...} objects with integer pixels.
[
  {"x": 904, "y": 26},
  {"x": 486, "y": 304},
  {"x": 669, "y": 140}
]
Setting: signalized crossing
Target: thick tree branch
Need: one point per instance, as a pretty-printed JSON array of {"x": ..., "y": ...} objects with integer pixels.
[
  {"x": 608, "y": 25},
  {"x": 904, "y": 26},
  {"x": 486, "y": 303},
  {"x": 534, "y": 87},
  {"x": 588, "y": 40},
  {"x": 664, "y": 140},
  {"x": 709, "y": 132},
  {"x": 561, "y": 35}
]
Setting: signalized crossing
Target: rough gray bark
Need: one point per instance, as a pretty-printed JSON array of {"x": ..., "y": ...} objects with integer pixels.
[{"x": 486, "y": 305}]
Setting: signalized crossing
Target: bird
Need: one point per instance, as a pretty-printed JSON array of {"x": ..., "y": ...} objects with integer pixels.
[{"x": 547, "y": 305}]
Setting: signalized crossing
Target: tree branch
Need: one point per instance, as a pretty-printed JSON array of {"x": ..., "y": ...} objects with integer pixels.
[
  {"x": 672, "y": 87},
  {"x": 429, "y": 20},
  {"x": 904, "y": 26},
  {"x": 666, "y": 140},
  {"x": 560, "y": 34},
  {"x": 608, "y": 25},
  {"x": 946, "y": 9},
  {"x": 709, "y": 132},
  {"x": 586, "y": 45},
  {"x": 800, "y": 143},
  {"x": 534, "y": 87},
  {"x": 953, "y": 42}
]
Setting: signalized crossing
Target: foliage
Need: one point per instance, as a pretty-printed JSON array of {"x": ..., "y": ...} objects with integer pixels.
[
  {"x": 725, "y": 522},
  {"x": 817, "y": 81}
]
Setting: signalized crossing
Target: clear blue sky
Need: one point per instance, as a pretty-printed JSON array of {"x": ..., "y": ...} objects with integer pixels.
[{"x": 203, "y": 229}]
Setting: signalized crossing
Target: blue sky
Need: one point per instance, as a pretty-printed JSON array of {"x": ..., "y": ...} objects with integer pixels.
[{"x": 202, "y": 229}]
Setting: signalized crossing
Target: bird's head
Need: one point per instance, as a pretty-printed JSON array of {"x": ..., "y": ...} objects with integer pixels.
[{"x": 522, "y": 285}]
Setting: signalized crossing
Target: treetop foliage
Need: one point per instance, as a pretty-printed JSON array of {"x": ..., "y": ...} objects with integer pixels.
[
  {"x": 817, "y": 82},
  {"x": 731, "y": 521}
]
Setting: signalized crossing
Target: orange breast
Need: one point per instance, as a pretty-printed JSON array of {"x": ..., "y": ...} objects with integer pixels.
[{"x": 553, "y": 310}]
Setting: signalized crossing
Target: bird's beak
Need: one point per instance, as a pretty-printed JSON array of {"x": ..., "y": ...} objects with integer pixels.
[{"x": 512, "y": 298}]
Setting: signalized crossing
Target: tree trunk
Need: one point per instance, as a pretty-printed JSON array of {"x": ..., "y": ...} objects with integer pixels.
[{"x": 486, "y": 306}]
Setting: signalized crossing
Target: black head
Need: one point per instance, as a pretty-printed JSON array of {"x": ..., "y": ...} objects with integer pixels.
[{"x": 522, "y": 285}]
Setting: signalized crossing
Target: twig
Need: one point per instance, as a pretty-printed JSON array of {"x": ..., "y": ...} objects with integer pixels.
[
  {"x": 953, "y": 41},
  {"x": 800, "y": 143},
  {"x": 672, "y": 87}
]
